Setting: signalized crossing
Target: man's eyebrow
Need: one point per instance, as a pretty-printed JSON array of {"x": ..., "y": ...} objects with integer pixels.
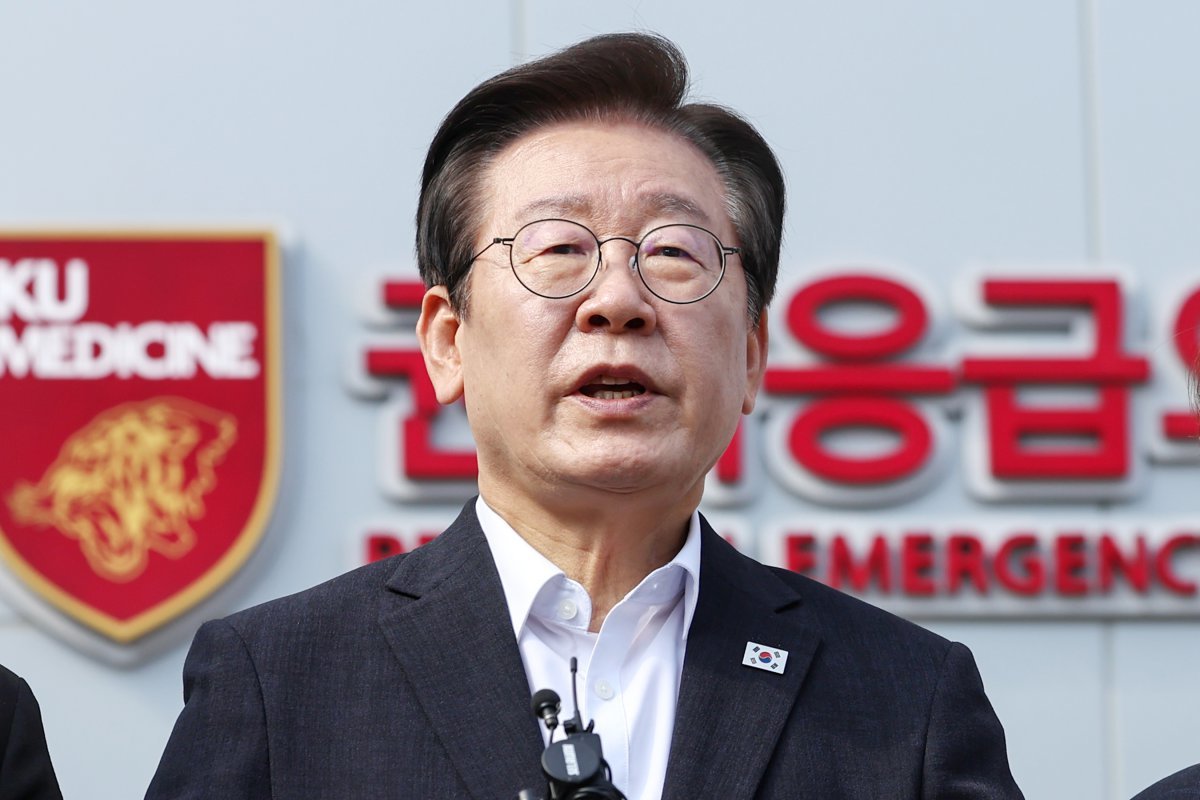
[
  {"x": 668, "y": 203},
  {"x": 659, "y": 204},
  {"x": 562, "y": 205}
]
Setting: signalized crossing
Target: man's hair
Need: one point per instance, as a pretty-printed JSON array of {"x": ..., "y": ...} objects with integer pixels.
[{"x": 633, "y": 77}]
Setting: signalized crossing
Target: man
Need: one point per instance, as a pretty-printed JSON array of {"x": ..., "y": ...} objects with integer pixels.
[
  {"x": 25, "y": 769},
  {"x": 599, "y": 259}
]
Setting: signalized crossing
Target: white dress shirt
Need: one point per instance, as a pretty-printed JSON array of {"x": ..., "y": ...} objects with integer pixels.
[{"x": 628, "y": 672}]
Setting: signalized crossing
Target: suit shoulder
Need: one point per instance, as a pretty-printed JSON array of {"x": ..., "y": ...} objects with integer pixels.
[
  {"x": 851, "y": 617},
  {"x": 10, "y": 691},
  {"x": 10, "y": 682},
  {"x": 339, "y": 600},
  {"x": 851, "y": 626},
  {"x": 1185, "y": 783}
]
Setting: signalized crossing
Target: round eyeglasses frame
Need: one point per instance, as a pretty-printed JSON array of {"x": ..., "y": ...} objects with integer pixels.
[{"x": 634, "y": 264}]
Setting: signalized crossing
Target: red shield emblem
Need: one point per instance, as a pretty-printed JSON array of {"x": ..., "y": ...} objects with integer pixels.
[{"x": 139, "y": 419}]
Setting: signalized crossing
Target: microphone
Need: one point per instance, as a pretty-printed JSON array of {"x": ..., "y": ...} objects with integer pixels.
[
  {"x": 546, "y": 706},
  {"x": 574, "y": 766}
]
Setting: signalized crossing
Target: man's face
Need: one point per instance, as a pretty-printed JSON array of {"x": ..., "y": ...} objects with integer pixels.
[{"x": 548, "y": 383}]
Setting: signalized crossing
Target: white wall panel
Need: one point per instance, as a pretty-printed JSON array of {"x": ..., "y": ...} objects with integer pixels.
[
  {"x": 1149, "y": 173},
  {"x": 1157, "y": 706},
  {"x": 1148, "y": 96},
  {"x": 922, "y": 132}
]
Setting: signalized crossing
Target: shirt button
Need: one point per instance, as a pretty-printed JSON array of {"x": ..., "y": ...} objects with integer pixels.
[
  {"x": 567, "y": 609},
  {"x": 605, "y": 690}
]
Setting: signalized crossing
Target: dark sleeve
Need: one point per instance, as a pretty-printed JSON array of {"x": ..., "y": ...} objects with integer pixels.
[
  {"x": 25, "y": 769},
  {"x": 219, "y": 745},
  {"x": 1183, "y": 785},
  {"x": 965, "y": 755}
]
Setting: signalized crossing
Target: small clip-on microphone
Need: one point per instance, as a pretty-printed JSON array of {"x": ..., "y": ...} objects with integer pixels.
[{"x": 574, "y": 766}]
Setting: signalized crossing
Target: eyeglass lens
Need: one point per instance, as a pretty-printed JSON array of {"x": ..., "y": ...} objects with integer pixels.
[{"x": 557, "y": 258}]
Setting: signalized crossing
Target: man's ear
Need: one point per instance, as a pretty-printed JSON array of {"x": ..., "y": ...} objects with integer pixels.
[
  {"x": 437, "y": 332},
  {"x": 757, "y": 340}
]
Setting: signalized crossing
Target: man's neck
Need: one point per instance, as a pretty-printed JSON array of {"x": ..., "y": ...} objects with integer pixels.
[{"x": 608, "y": 547}]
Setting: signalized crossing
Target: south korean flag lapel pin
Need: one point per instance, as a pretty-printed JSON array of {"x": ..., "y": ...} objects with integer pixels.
[{"x": 770, "y": 659}]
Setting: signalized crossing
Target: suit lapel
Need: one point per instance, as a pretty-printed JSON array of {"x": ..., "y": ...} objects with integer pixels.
[
  {"x": 730, "y": 716},
  {"x": 446, "y": 620}
]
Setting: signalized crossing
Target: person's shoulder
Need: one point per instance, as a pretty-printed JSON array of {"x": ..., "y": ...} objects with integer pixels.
[
  {"x": 10, "y": 682},
  {"x": 12, "y": 687},
  {"x": 1183, "y": 785},
  {"x": 843, "y": 620},
  {"x": 340, "y": 601},
  {"x": 14, "y": 691},
  {"x": 347, "y": 607},
  {"x": 861, "y": 650},
  {"x": 850, "y": 616}
]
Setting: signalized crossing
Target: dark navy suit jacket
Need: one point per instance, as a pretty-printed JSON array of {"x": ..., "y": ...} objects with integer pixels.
[
  {"x": 403, "y": 679},
  {"x": 1183, "y": 785},
  {"x": 25, "y": 769}
]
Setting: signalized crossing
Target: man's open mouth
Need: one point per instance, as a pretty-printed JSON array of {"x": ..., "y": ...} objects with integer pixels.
[{"x": 607, "y": 388}]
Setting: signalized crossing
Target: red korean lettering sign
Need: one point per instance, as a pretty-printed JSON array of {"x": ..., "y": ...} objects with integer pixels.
[
  {"x": 859, "y": 382},
  {"x": 1016, "y": 430}
]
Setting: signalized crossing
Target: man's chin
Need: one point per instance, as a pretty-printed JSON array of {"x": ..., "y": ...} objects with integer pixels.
[{"x": 626, "y": 474}]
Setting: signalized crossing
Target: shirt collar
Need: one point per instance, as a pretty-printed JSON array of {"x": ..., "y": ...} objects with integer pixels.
[{"x": 524, "y": 572}]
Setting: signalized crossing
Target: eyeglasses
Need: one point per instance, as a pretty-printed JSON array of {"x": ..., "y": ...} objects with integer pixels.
[{"x": 557, "y": 258}]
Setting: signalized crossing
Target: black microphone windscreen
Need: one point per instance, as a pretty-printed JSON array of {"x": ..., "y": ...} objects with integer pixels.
[{"x": 545, "y": 700}]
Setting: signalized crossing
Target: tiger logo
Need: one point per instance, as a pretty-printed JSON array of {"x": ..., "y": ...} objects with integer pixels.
[{"x": 130, "y": 482}]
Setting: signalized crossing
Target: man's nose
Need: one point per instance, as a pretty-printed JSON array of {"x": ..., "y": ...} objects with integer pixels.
[{"x": 617, "y": 300}]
